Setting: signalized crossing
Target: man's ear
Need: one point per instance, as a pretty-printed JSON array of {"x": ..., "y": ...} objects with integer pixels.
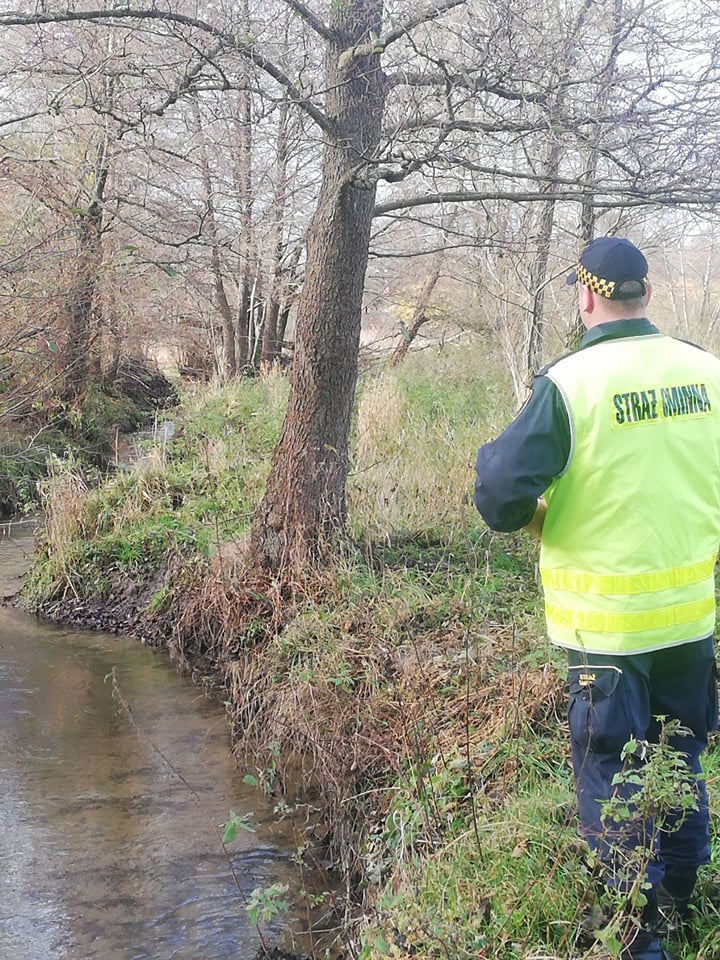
[
  {"x": 586, "y": 300},
  {"x": 648, "y": 294}
]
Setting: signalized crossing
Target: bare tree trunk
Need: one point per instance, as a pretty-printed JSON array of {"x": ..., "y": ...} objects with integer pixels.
[
  {"x": 305, "y": 497},
  {"x": 576, "y": 328},
  {"x": 587, "y": 209},
  {"x": 83, "y": 303},
  {"x": 257, "y": 321},
  {"x": 229, "y": 367},
  {"x": 419, "y": 316},
  {"x": 538, "y": 270},
  {"x": 290, "y": 285},
  {"x": 679, "y": 305},
  {"x": 244, "y": 179},
  {"x": 283, "y": 318},
  {"x": 242, "y": 326},
  {"x": 538, "y": 267},
  {"x": 270, "y": 345},
  {"x": 705, "y": 312}
]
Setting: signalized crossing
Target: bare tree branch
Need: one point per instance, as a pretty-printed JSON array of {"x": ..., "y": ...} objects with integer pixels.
[
  {"x": 464, "y": 81},
  {"x": 315, "y": 22},
  {"x": 593, "y": 194},
  {"x": 380, "y": 44},
  {"x": 184, "y": 84},
  {"x": 245, "y": 48}
]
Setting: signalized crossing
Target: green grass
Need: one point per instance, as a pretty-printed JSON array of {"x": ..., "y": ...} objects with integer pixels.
[
  {"x": 183, "y": 499},
  {"x": 417, "y": 431},
  {"x": 507, "y": 878}
]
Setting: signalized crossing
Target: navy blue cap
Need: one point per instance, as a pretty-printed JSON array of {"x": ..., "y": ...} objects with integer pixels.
[{"x": 608, "y": 262}]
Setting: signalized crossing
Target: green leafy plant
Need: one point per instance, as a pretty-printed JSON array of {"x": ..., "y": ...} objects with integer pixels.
[
  {"x": 235, "y": 824},
  {"x": 654, "y": 784},
  {"x": 266, "y": 903},
  {"x": 654, "y": 792}
]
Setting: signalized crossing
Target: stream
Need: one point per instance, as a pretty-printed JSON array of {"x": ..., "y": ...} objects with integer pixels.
[{"x": 109, "y": 842}]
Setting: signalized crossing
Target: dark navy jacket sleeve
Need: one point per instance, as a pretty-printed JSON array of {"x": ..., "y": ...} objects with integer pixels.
[{"x": 516, "y": 468}]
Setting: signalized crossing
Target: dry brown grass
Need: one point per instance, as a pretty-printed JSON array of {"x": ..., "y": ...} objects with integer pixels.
[
  {"x": 354, "y": 697},
  {"x": 63, "y": 497}
]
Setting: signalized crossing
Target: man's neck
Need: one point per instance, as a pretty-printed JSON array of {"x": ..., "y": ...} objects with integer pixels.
[{"x": 598, "y": 317}]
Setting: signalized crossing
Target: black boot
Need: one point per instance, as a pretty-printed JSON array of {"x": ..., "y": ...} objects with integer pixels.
[
  {"x": 673, "y": 900},
  {"x": 652, "y": 950}
]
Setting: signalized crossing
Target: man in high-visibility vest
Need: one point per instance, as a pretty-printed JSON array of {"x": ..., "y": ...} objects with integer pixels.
[{"x": 614, "y": 463}]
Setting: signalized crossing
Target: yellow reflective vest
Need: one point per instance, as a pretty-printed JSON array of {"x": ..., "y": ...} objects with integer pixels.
[{"x": 633, "y": 523}]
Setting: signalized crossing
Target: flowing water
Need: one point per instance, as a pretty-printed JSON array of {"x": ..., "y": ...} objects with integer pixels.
[{"x": 109, "y": 847}]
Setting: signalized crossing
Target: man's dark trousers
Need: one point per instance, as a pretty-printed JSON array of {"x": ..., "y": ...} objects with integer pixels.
[{"x": 617, "y": 698}]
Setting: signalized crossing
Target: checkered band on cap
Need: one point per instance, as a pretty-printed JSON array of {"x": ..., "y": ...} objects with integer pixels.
[
  {"x": 605, "y": 288},
  {"x": 597, "y": 284}
]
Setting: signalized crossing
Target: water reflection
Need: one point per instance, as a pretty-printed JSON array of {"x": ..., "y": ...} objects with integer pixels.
[{"x": 108, "y": 834}]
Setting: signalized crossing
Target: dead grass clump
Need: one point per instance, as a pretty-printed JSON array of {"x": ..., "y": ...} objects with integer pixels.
[
  {"x": 62, "y": 495},
  {"x": 221, "y": 607},
  {"x": 381, "y": 419},
  {"x": 364, "y": 710}
]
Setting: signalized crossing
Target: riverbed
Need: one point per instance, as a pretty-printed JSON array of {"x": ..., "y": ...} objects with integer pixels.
[{"x": 112, "y": 800}]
